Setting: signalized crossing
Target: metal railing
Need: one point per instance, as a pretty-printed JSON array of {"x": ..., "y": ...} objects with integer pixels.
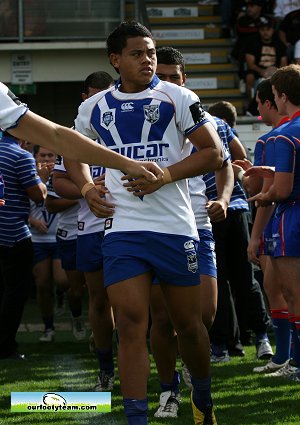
[{"x": 30, "y": 20}]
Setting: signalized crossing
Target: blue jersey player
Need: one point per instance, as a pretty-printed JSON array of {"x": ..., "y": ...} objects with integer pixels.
[{"x": 285, "y": 191}]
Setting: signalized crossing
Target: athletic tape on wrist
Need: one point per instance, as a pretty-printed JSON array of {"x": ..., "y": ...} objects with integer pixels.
[
  {"x": 86, "y": 187},
  {"x": 166, "y": 176}
]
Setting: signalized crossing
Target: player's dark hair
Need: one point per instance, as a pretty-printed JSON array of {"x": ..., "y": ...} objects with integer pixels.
[
  {"x": 169, "y": 56},
  {"x": 287, "y": 80},
  {"x": 97, "y": 80},
  {"x": 224, "y": 110},
  {"x": 35, "y": 149},
  {"x": 264, "y": 92},
  {"x": 117, "y": 39}
]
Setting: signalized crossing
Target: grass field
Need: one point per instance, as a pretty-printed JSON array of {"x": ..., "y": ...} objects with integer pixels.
[{"x": 240, "y": 396}]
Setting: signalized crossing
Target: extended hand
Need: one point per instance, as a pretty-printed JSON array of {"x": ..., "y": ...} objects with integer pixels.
[
  {"x": 150, "y": 171},
  {"x": 141, "y": 187},
  {"x": 260, "y": 200},
  {"x": 245, "y": 164},
  {"x": 262, "y": 171}
]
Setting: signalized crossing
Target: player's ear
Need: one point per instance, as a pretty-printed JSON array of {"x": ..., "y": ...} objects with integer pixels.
[{"x": 114, "y": 60}]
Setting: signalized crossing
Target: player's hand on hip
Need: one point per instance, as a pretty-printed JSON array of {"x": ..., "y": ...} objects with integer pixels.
[{"x": 97, "y": 203}]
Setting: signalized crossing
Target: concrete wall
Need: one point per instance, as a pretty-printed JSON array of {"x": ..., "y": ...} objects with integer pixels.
[{"x": 62, "y": 62}]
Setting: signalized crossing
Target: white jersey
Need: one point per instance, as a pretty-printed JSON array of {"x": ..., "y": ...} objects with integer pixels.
[
  {"x": 150, "y": 125},
  {"x": 67, "y": 219},
  {"x": 87, "y": 221},
  {"x": 39, "y": 211},
  {"x": 11, "y": 109}
]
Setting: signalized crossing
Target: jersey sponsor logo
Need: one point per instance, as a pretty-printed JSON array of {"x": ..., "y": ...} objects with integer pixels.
[
  {"x": 108, "y": 119},
  {"x": 151, "y": 113},
  {"x": 108, "y": 223},
  {"x": 151, "y": 152},
  {"x": 127, "y": 107}
]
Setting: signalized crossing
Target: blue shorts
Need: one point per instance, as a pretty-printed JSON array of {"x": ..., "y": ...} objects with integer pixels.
[
  {"x": 266, "y": 240},
  {"x": 171, "y": 258},
  {"x": 42, "y": 251},
  {"x": 286, "y": 231},
  {"x": 67, "y": 251},
  {"x": 207, "y": 254},
  {"x": 89, "y": 256}
]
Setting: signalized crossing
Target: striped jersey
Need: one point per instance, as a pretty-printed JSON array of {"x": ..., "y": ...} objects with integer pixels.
[
  {"x": 238, "y": 198},
  {"x": 151, "y": 125},
  {"x": 19, "y": 172}
]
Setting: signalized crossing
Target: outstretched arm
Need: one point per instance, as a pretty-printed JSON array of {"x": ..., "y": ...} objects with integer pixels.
[{"x": 71, "y": 144}]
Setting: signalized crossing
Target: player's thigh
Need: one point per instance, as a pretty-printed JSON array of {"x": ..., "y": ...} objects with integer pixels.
[
  {"x": 159, "y": 314},
  {"x": 288, "y": 269},
  {"x": 130, "y": 300},
  {"x": 59, "y": 274},
  {"x": 94, "y": 282},
  {"x": 184, "y": 306},
  {"x": 42, "y": 272}
]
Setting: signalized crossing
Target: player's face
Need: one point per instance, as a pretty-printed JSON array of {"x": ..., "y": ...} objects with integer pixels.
[
  {"x": 170, "y": 73},
  {"x": 136, "y": 64},
  {"x": 279, "y": 100},
  {"x": 45, "y": 156},
  {"x": 263, "y": 110}
]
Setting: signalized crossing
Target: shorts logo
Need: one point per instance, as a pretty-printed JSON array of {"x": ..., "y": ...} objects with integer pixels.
[
  {"x": 192, "y": 260},
  {"x": 151, "y": 113},
  {"x": 189, "y": 245},
  {"x": 127, "y": 107},
  {"x": 108, "y": 119},
  {"x": 108, "y": 223}
]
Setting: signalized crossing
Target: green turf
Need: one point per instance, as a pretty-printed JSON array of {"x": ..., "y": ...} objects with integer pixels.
[{"x": 240, "y": 397}]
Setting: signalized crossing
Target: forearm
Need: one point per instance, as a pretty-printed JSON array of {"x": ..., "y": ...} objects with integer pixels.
[
  {"x": 225, "y": 182},
  {"x": 78, "y": 172},
  {"x": 262, "y": 217},
  {"x": 66, "y": 188},
  {"x": 55, "y": 205},
  {"x": 67, "y": 142},
  {"x": 198, "y": 163}
]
